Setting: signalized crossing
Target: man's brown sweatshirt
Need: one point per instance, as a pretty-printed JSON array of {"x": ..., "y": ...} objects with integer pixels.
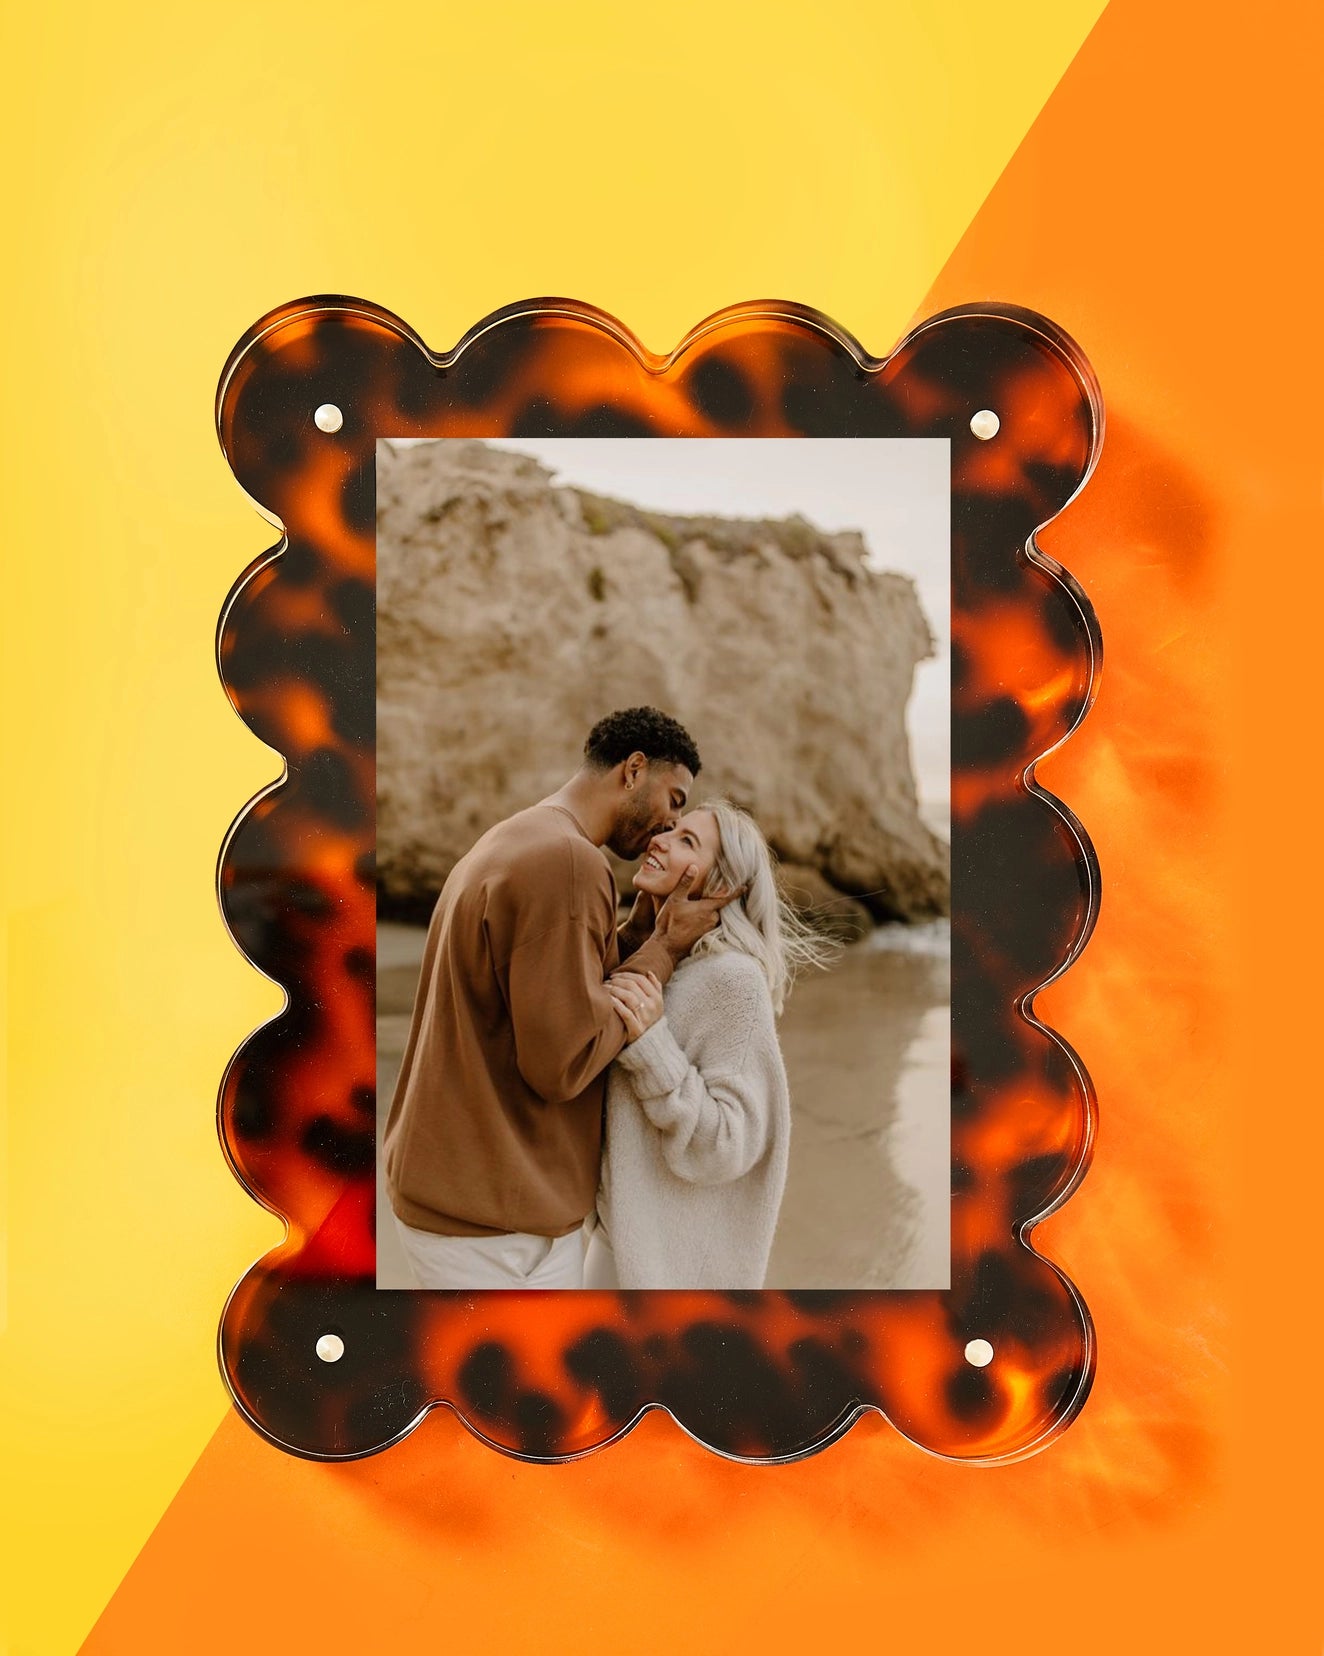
[{"x": 496, "y": 1121}]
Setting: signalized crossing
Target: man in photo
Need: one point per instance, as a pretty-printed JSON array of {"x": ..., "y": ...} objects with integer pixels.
[{"x": 493, "y": 1144}]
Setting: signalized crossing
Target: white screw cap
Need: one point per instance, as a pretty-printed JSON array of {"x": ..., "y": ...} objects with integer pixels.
[
  {"x": 328, "y": 418},
  {"x": 330, "y": 1348},
  {"x": 979, "y": 1352},
  {"x": 985, "y": 424}
]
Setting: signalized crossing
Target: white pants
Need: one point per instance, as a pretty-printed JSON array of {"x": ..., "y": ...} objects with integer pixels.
[
  {"x": 600, "y": 1262},
  {"x": 514, "y": 1261}
]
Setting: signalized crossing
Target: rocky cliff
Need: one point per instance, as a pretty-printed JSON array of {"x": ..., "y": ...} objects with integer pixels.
[{"x": 513, "y": 614}]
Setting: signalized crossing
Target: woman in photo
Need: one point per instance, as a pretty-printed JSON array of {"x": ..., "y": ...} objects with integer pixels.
[{"x": 698, "y": 1112}]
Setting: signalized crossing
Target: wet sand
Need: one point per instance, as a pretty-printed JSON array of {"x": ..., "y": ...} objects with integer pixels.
[{"x": 867, "y": 1048}]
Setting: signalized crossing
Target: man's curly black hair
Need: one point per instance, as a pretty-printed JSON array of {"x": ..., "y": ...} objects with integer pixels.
[{"x": 640, "y": 730}]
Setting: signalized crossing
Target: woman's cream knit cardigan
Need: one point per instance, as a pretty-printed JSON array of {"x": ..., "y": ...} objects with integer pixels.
[{"x": 698, "y": 1129}]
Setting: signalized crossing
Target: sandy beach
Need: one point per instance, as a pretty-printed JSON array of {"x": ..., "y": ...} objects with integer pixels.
[{"x": 867, "y": 1050}]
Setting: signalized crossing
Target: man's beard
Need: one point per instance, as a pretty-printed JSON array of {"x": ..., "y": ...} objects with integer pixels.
[{"x": 634, "y": 828}]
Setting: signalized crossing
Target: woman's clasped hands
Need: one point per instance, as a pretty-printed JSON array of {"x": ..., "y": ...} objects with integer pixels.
[{"x": 637, "y": 997}]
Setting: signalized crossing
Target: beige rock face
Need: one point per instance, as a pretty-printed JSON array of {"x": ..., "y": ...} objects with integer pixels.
[{"x": 512, "y": 615}]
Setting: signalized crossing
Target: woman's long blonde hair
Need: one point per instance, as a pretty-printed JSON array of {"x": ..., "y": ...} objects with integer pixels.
[{"x": 761, "y": 923}]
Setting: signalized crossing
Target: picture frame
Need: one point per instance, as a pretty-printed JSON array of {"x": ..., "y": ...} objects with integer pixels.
[{"x": 318, "y": 1359}]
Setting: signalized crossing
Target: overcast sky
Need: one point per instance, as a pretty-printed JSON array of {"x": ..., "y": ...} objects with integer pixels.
[{"x": 894, "y": 490}]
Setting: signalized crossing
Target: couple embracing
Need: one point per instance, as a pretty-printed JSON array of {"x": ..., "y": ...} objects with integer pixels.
[{"x": 582, "y": 1105}]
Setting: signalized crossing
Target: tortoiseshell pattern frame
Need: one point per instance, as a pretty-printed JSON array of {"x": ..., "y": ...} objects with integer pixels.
[{"x": 768, "y": 1376}]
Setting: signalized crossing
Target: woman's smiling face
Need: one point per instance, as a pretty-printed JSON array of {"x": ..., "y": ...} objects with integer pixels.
[{"x": 694, "y": 841}]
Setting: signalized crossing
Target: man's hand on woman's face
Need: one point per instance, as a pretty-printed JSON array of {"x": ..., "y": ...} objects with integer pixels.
[
  {"x": 683, "y": 920},
  {"x": 641, "y": 918},
  {"x": 637, "y": 997}
]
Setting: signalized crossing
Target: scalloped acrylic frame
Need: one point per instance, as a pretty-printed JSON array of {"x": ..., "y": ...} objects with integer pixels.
[{"x": 767, "y": 1376}]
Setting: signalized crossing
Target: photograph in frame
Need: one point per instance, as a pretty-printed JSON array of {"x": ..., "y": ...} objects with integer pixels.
[{"x": 786, "y": 607}]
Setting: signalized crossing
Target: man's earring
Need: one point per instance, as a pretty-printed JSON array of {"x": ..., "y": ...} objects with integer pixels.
[{"x": 629, "y": 786}]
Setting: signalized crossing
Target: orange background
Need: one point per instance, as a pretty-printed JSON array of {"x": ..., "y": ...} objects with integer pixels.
[{"x": 1158, "y": 209}]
